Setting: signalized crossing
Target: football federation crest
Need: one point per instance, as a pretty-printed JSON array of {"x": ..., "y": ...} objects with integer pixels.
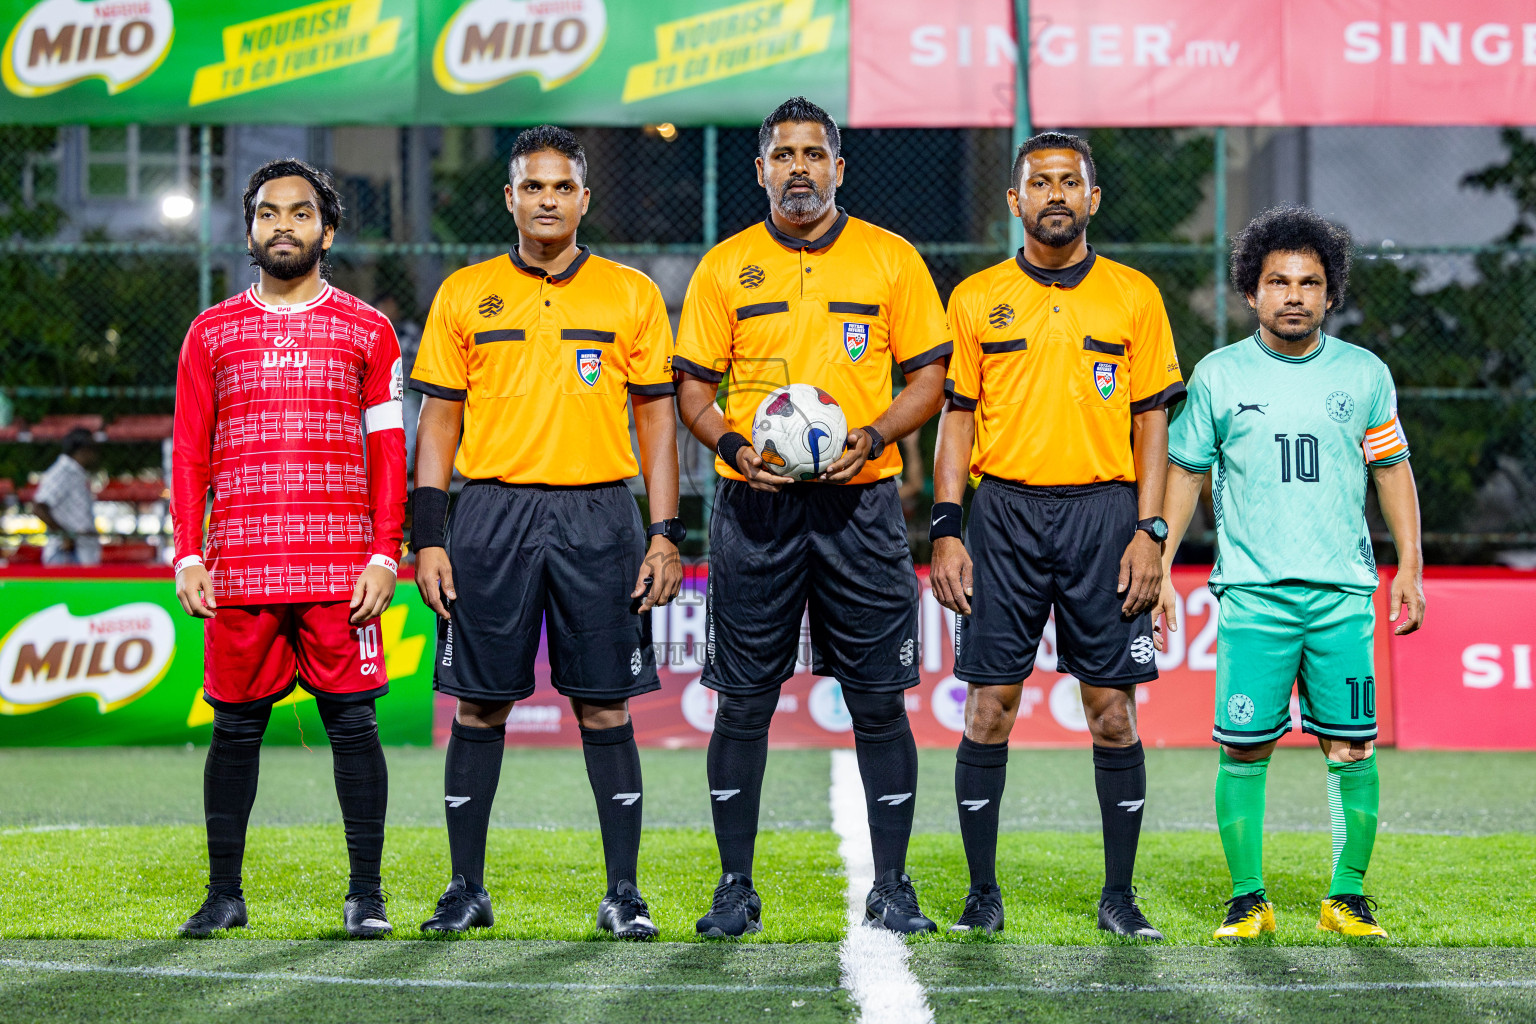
[
  {"x": 490, "y": 305},
  {"x": 589, "y": 364},
  {"x": 1104, "y": 378},
  {"x": 855, "y": 339},
  {"x": 1001, "y": 315},
  {"x": 750, "y": 276}
]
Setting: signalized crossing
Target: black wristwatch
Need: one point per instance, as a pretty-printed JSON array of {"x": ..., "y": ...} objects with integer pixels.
[
  {"x": 1156, "y": 528},
  {"x": 676, "y": 532},
  {"x": 876, "y": 442}
]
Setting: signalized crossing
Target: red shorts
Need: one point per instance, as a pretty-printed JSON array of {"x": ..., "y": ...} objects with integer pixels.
[{"x": 258, "y": 653}]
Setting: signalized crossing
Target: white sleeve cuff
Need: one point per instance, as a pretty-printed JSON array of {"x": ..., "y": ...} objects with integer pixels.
[
  {"x": 384, "y": 416},
  {"x": 189, "y": 560},
  {"x": 387, "y": 562}
]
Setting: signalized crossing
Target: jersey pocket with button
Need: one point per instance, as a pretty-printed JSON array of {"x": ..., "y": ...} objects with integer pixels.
[{"x": 498, "y": 364}]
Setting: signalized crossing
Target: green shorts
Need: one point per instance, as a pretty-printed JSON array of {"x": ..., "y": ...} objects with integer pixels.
[{"x": 1318, "y": 638}]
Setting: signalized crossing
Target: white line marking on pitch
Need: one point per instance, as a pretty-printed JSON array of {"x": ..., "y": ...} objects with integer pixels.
[
  {"x": 875, "y": 969},
  {"x": 67, "y": 967}
]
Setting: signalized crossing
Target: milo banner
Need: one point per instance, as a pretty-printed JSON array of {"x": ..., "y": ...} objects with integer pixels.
[
  {"x": 116, "y": 61},
  {"x": 100, "y": 658},
  {"x": 418, "y": 61}
]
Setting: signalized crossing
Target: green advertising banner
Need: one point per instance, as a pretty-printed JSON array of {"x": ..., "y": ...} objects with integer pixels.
[
  {"x": 118, "y": 61},
  {"x": 101, "y": 661},
  {"x": 418, "y": 61},
  {"x": 591, "y": 62}
]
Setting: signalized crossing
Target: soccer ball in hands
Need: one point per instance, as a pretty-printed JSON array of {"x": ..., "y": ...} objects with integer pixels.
[{"x": 798, "y": 431}]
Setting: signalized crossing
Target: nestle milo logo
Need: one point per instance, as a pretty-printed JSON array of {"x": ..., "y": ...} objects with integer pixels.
[
  {"x": 115, "y": 656},
  {"x": 60, "y": 42},
  {"x": 487, "y": 42}
]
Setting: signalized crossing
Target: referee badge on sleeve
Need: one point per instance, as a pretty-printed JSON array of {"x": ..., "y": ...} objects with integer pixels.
[
  {"x": 589, "y": 364},
  {"x": 855, "y": 339},
  {"x": 1104, "y": 378}
]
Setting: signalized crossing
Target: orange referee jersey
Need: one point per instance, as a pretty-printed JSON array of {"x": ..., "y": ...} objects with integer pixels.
[
  {"x": 835, "y": 312},
  {"x": 544, "y": 366},
  {"x": 1055, "y": 363}
]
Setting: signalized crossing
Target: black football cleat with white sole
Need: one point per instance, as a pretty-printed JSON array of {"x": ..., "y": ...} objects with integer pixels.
[
  {"x": 461, "y": 908},
  {"x": 222, "y": 909},
  {"x": 364, "y": 915},
  {"x": 624, "y": 913},
  {"x": 1118, "y": 913},
  {"x": 892, "y": 905},
  {"x": 735, "y": 910},
  {"x": 983, "y": 914}
]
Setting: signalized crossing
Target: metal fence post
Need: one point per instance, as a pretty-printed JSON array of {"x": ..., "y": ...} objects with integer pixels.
[
  {"x": 205, "y": 216},
  {"x": 1219, "y": 240},
  {"x": 1021, "y": 126},
  {"x": 711, "y": 189}
]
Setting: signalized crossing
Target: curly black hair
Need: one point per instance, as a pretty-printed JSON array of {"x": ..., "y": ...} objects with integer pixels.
[
  {"x": 1054, "y": 140},
  {"x": 1292, "y": 229},
  {"x": 292, "y": 167},
  {"x": 798, "y": 108},
  {"x": 548, "y": 136}
]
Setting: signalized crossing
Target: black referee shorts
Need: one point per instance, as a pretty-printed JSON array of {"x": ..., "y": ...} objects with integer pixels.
[
  {"x": 1035, "y": 547},
  {"x": 522, "y": 554},
  {"x": 841, "y": 548}
]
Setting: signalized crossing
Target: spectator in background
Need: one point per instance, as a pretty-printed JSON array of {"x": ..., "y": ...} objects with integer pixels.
[{"x": 66, "y": 504}]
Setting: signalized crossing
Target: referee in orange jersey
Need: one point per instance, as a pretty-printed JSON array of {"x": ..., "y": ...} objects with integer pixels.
[
  {"x": 1063, "y": 364},
  {"x": 810, "y": 296},
  {"x": 535, "y": 357}
]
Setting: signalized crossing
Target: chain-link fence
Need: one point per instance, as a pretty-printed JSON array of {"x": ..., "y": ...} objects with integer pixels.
[{"x": 98, "y": 281}]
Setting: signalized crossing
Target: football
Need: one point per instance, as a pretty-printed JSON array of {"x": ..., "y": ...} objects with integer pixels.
[{"x": 799, "y": 430}]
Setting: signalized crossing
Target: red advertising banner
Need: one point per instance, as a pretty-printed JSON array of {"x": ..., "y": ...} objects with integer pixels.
[
  {"x": 1464, "y": 681},
  {"x": 1195, "y": 62},
  {"x": 1174, "y": 711}
]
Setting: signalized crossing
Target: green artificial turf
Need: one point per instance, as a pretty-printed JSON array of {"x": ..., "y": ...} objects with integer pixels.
[{"x": 141, "y": 881}]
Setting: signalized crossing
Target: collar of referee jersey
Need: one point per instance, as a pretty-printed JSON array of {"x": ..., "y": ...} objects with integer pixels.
[
  {"x": 582, "y": 252},
  {"x": 1065, "y": 277},
  {"x": 800, "y": 244}
]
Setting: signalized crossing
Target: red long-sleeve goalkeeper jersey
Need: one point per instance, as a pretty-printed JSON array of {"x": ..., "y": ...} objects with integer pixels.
[{"x": 292, "y": 416}]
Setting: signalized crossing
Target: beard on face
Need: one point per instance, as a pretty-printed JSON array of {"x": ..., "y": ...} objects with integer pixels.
[
  {"x": 1287, "y": 332},
  {"x": 1056, "y": 237},
  {"x": 804, "y": 208},
  {"x": 289, "y": 266}
]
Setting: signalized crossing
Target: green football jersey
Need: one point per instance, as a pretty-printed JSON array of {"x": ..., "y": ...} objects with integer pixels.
[{"x": 1290, "y": 441}]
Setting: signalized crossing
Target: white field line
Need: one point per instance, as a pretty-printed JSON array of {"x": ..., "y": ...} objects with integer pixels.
[
  {"x": 70, "y": 967},
  {"x": 874, "y": 961}
]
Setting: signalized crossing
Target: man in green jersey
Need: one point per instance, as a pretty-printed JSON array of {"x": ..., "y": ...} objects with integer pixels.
[{"x": 1293, "y": 421}]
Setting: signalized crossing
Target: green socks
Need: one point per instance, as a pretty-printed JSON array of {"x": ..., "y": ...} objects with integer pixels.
[
  {"x": 1354, "y": 801},
  {"x": 1240, "y": 816}
]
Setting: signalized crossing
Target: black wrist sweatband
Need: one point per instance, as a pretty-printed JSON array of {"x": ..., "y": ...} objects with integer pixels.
[
  {"x": 429, "y": 517},
  {"x": 729, "y": 445},
  {"x": 945, "y": 521}
]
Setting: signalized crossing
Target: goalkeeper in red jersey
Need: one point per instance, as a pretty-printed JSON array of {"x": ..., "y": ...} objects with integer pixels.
[{"x": 288, "y": 407}]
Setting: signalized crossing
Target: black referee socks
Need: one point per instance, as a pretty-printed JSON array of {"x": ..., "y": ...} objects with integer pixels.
[
  {"x": 613, "y": 769},
  {"x": 470, "y": 775},
  {"x": 981, "y": 769},
  {"x": 738, "y": 752},
  {"x": 887, "y": 753},
  {"x": 1120, "y": 775}
]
